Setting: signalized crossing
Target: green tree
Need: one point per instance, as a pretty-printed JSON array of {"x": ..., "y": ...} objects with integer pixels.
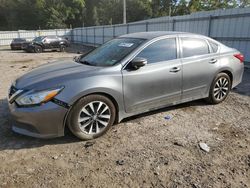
[{"x": 111, "y": 11}]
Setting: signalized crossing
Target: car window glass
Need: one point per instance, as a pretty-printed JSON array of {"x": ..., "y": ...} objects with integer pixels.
[
  {"x": 112, "y": 52},
  {"x": 214, "y": 46},
  {"x": 161, "y": 50},
  {"x": 194, "y": 47}
]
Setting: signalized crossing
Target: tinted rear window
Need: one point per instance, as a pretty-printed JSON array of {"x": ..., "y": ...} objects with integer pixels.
[{"x": 194, "y": 46}]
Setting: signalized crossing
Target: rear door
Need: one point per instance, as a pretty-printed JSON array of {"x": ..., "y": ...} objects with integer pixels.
[
  {"x": 159, "y": 82},
  {"x": 200, "y": 64}
]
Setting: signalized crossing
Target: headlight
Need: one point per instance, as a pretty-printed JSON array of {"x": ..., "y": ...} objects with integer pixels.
[{"x": 39, "y": 97}]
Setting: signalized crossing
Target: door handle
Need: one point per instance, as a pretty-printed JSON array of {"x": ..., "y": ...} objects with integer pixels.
[
  {"x": 212, "y": 61},
  {"x": 175, "y": 69}
]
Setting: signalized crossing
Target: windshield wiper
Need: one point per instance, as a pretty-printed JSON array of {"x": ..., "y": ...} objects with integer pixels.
[{"x": 85, "y": 62}]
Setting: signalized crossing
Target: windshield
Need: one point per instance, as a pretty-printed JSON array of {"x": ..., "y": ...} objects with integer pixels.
[
  {"x": 111, "y": 52},
  {"x": 38, "y": 39}
]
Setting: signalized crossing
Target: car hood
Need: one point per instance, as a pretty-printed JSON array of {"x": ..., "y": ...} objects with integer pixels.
[{"x": 54, "y": 74}]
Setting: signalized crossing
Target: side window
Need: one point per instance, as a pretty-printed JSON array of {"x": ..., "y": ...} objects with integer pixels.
[
  {"x": 193, "y": 47},
  {"x": 161, "y": 50},
  {"x": 214, "y": 46}
]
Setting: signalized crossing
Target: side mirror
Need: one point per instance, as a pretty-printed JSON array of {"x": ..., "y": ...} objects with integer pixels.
[{"x": 138, "y": 62}]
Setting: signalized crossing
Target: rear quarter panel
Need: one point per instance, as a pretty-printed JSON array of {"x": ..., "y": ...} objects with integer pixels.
[{"x": 230, "y": 63}]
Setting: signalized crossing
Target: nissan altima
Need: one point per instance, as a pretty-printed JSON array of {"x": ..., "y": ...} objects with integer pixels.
[{"x": 128, "y": 75}]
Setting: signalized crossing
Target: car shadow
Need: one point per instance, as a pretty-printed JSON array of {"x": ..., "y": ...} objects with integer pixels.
[
  {"x": 244, "y": 87},
  {"x": 13, "y": 141}
]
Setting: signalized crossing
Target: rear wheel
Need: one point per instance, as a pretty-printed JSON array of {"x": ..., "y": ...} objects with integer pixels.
[
  {"x": 91, "y": 117},
  {"x": 219, "y": 89},
  {"x": 38, "y": 49}
]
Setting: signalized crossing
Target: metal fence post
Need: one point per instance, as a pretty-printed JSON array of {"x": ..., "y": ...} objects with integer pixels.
[
  {"x": 173, "y": 24},
  {"x": 86, "y": 29},
  {"x": 127, "y": 28},
  {"x": 94, "y": 36},
  {"x": 113, "y": 31},
  {"x": 146, "y": 26},
  {"x": 103, "y": 40},
  {"x": 209, "y": 26},
  {"x": 86, "y": 38},
  {"x": 71, "y": 35},
  {"x": 82, "y": 34}
]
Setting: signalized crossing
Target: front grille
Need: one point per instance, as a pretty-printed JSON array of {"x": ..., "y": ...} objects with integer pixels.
[{"x": 12, "y": 91}]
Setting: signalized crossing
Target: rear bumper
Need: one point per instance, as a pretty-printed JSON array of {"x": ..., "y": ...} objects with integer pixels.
[
  {"x": 45, "y": 121},
  {"x": 238, "y": 75}
]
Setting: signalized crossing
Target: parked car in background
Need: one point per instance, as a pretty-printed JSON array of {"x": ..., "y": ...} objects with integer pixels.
[
  {"x": 18, "y": 44},
  {"x": 47, "y": 43},
  {"x": 126, "y": 76}
]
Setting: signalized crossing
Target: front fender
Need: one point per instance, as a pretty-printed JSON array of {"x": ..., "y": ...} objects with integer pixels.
[{"x": 107, "y": 84}]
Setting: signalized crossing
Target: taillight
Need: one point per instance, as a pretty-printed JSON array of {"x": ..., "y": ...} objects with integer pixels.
[{"x": 240, "y": 57}]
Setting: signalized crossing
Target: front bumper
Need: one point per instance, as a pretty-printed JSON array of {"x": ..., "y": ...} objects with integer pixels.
[{"x": 45, "y": 121}]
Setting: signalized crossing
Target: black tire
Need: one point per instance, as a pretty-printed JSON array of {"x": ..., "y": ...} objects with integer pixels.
[
  {"x": 214, "y": 89},
  {"x": 38, "y": 49},
  {"x": 62, "y": 48},
  {"x": 76, "y": 111}
]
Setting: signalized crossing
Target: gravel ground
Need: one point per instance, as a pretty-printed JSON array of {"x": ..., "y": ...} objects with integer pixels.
[{"x": 148, "y": 150}]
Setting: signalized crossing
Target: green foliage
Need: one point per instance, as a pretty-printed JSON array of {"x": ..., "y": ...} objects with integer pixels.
[
  {"x": 46, "y": 14},
  {"x": 40, "y": 14}
]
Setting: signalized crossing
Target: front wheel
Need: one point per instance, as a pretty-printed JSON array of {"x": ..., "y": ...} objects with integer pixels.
[
  {"x": 38, "y": 49},
  {"x": 219, "y": 89},
  {"x": 91, "y": 117}
]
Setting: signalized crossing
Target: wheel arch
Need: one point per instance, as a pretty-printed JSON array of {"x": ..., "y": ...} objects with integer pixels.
[
  {"x": 229, "y": 73},
  {"x": 113, "y": 100}
]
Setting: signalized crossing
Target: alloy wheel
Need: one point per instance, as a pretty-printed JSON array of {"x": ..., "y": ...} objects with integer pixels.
[
  {"x": 94, "y": 117},
  {"x": 221, "y": 88}
]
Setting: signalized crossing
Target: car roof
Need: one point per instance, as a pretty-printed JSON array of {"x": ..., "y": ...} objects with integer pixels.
[
  {"x": 19, "y": 39},
  {"x": 155, "y": 34}
]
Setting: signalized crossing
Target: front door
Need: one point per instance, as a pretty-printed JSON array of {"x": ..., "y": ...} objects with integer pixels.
[{"x": 158, "y": 83}]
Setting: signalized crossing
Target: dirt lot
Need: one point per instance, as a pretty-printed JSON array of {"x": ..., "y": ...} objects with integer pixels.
[{"x": 143, "y": 151}]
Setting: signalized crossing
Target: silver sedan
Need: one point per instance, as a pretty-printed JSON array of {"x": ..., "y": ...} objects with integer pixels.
[{"x": 126, "y": 76}]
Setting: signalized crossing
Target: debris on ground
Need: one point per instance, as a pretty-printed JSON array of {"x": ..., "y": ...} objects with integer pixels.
[
  {"x": 120, "y": 162},
  {"x": 23, "y": 67},
  {"x": 89, "y": 144},
  {"x": 204, "y": 147},
  {"x": 55, "y": 157},
  {"x": 167, "y": 117}
]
